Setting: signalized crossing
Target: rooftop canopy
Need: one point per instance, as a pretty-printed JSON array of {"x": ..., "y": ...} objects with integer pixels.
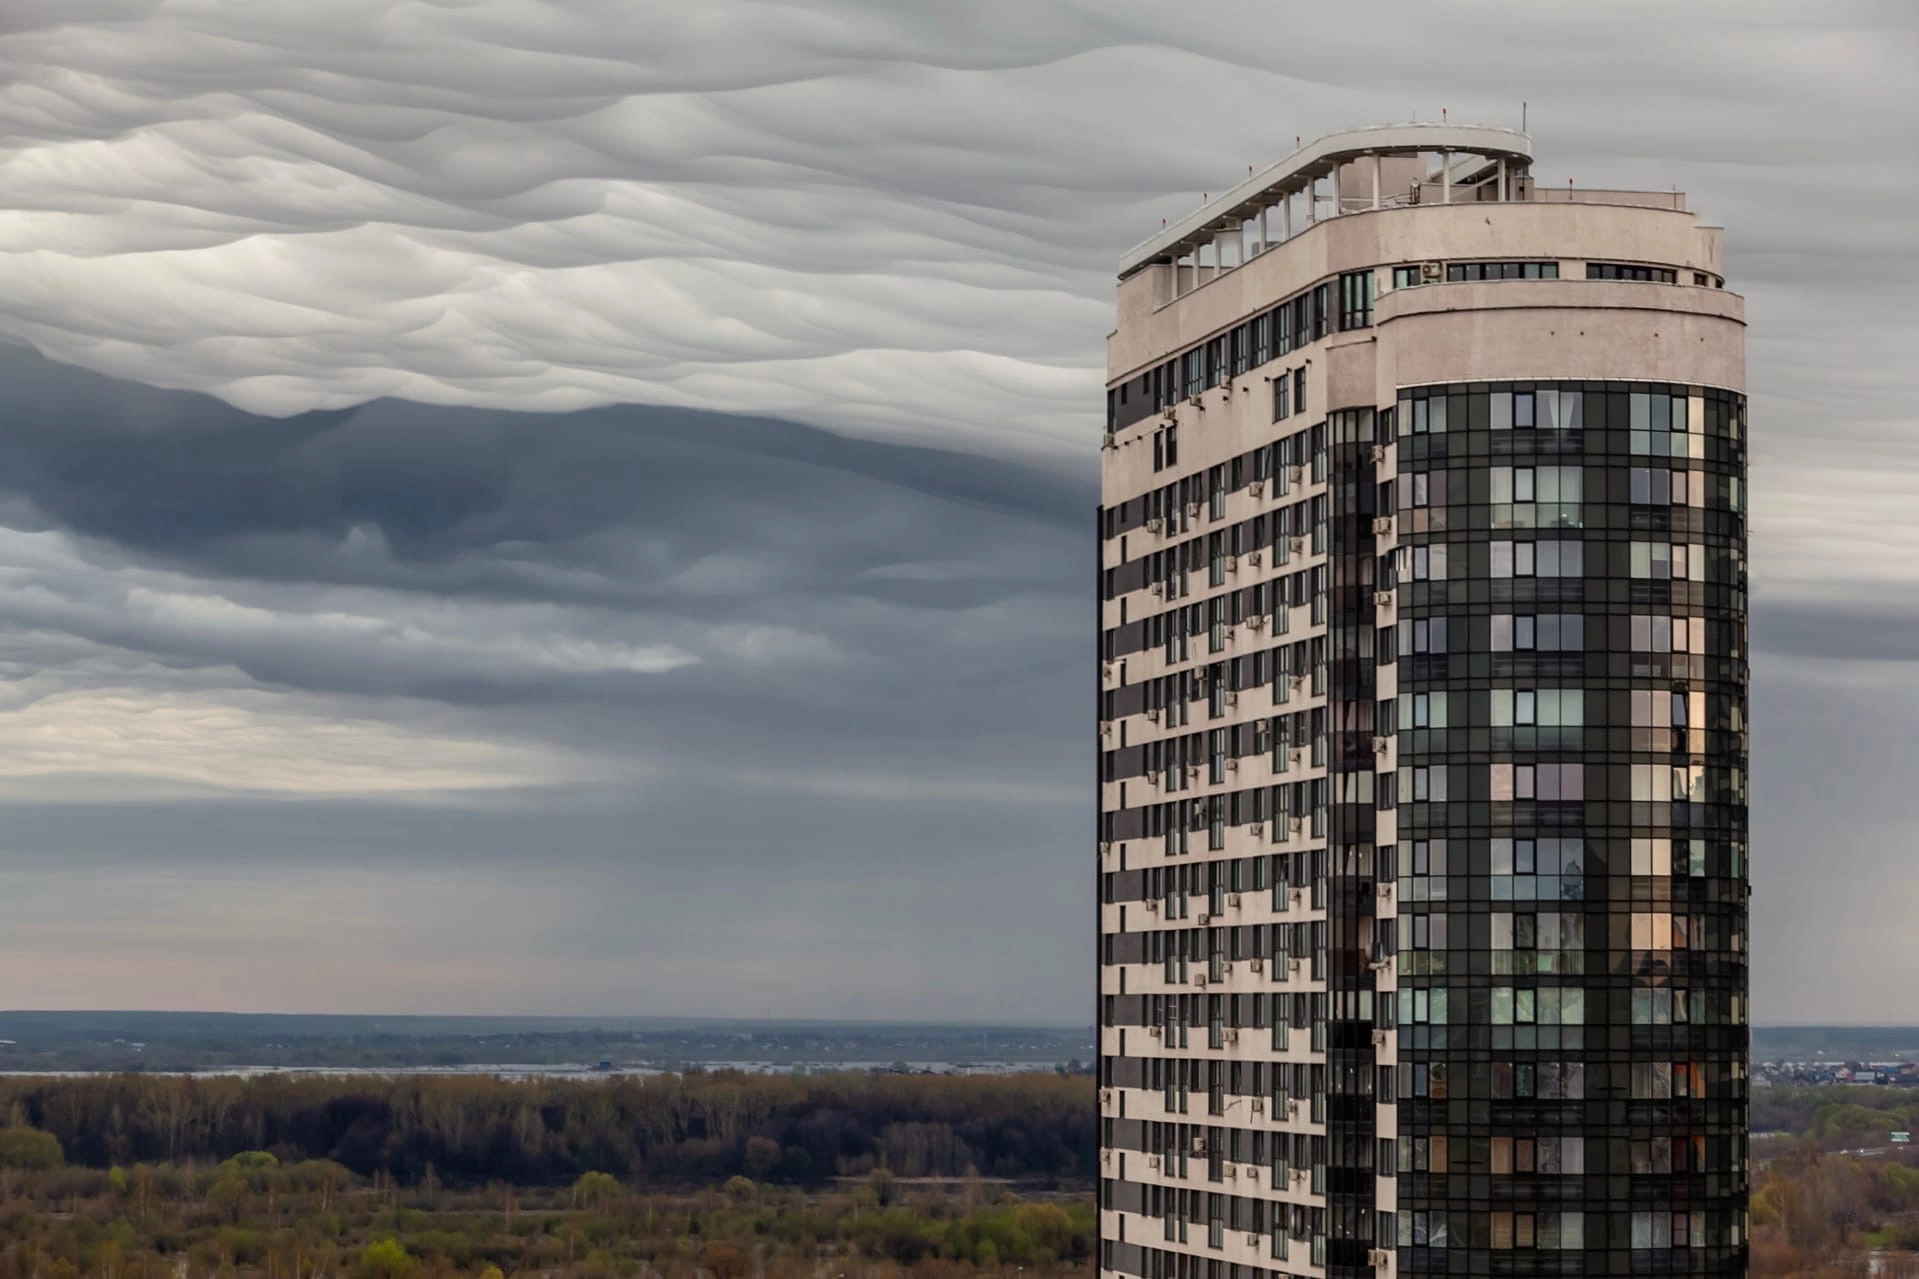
[{"x": 1484, "y": 150}]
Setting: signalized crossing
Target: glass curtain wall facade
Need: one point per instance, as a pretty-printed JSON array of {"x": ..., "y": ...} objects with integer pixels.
[{"x": 1422, "y": 733}]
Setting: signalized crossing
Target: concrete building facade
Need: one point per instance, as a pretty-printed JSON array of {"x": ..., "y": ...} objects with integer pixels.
[{"x": 1422, "y": 728}]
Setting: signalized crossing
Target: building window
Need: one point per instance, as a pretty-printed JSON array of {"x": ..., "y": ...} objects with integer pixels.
[
  {"x": 1299, "y": 389},
  {"x": 1356, "y": 300},
  {"x": 1458, "y": 271},
  {"x": 1631, "y": 271}
]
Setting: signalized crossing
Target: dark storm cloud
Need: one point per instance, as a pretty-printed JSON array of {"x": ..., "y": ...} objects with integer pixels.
[
  {"x": 265, "y": 667},
  {"x": 653, "y": 673}
]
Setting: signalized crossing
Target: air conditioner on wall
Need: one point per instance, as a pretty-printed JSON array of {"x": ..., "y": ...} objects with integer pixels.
[
  {"x": 1431, "y": 272},
  {"x": 1257, "y": 488}
]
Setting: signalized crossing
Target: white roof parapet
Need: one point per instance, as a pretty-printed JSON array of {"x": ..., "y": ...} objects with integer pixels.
[{"x": 1315, "y": 160}]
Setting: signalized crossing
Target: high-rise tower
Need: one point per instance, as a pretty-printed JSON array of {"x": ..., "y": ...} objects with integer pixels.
[{"x": 1422, "y": 728}]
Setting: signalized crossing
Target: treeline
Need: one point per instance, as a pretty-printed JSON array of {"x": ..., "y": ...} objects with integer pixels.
[
  {"x": 697, "y": 1128},
  {"x": 255, "y": 1218},
  {"x": 1815, "y": 1214},
  {"x": 1836, "y": 1117}
]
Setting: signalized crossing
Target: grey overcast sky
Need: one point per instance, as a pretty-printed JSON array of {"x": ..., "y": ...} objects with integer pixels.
[{"x": 584, "y": 505}]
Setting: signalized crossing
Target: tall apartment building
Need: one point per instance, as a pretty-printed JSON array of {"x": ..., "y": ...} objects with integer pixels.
[{"x": 1422, "y": 728}]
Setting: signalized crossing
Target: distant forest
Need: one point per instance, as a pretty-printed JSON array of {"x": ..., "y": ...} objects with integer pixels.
[{"x": 697, "y": 1128}]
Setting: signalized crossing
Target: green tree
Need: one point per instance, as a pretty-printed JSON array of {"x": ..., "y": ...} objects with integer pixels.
[
  {"x": 29, "y": 1150},
  {"x": 387, "y": 1259},
  {"x": 594, "y": 1189}
]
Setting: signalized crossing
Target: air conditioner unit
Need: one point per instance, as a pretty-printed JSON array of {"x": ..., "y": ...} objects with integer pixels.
[
  {"x": 1384, "y": 599},
  {"x": 1232, "y": 1036},
  {"x": 1155, "y": 524},
  {"x": 1192, "y": 775},
  {"x": 1192, "y": 510},
  {"x": 1299, "y": 757},
  {"x": 1431, "y": 272},
  {"x": 1381, "y": 964},
  {"x": 1106, "y": 730},
  {"x": 1232, "y": 1172},
  {"x": 1159, "y": 589},
  {"x": 1152, "y": 1161},
  {"x": 1109, "y": 442},
  {"x": 1383, "y": 524},
  {"x": 1299, "y": 1174},
  {"x": 1298, "y": 474},
  {"x": 1259, "y": 966},
  {"x": 1298, "y": 824},
  {"x": 1299, "y": 682},
  {"x": 1194, "y": 401},
  {"x": 1105, "y": 1096},
  {"x": 1298, "y": 544},
  {"x": 1257, "y": 622},
  {"x": 1257, "y": 488},
  {"x": 1379, "y": 1039},
  {"x": 1106, "y": 669},
  {"x": 1232, "y": 765},
  {"x": 1252, "y": 1240},
  {"x": 1258, "y": 829},
  {"x": 1232, "y": 901},
  {"x": 1292, "y": 968},
  {"x": 1232, "y": 697},
  {"x": 1252, "y": 557},
  {"x": 1199, "y": 979},
  {"x": 1385, "y": 892},
  {"x": 1228, "y": 637},
  {"x": 1156, "y": 1032},
  {"x": 1377, "y": 1257},
  {"x": 1259, "y": 1104},
  {"x": 1204, "y": 919},
  {"x": 1232, "y": 563},
  {"x": 1152, "y": 905},
  {"x": 1105, "y": 848},
  {"x": 1153, "y": 714},
  {"x": 1379, "y": 453},
  {"x": 1292, "y": 1108}
]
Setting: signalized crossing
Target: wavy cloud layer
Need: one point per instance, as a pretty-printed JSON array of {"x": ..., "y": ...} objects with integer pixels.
[
  {"x": 891, "y": 220},
  {"x": 636, "y": 674}
]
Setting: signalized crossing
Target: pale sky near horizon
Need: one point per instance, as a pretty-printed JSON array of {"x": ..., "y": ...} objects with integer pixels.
[{"x": 328, "y": 683}]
